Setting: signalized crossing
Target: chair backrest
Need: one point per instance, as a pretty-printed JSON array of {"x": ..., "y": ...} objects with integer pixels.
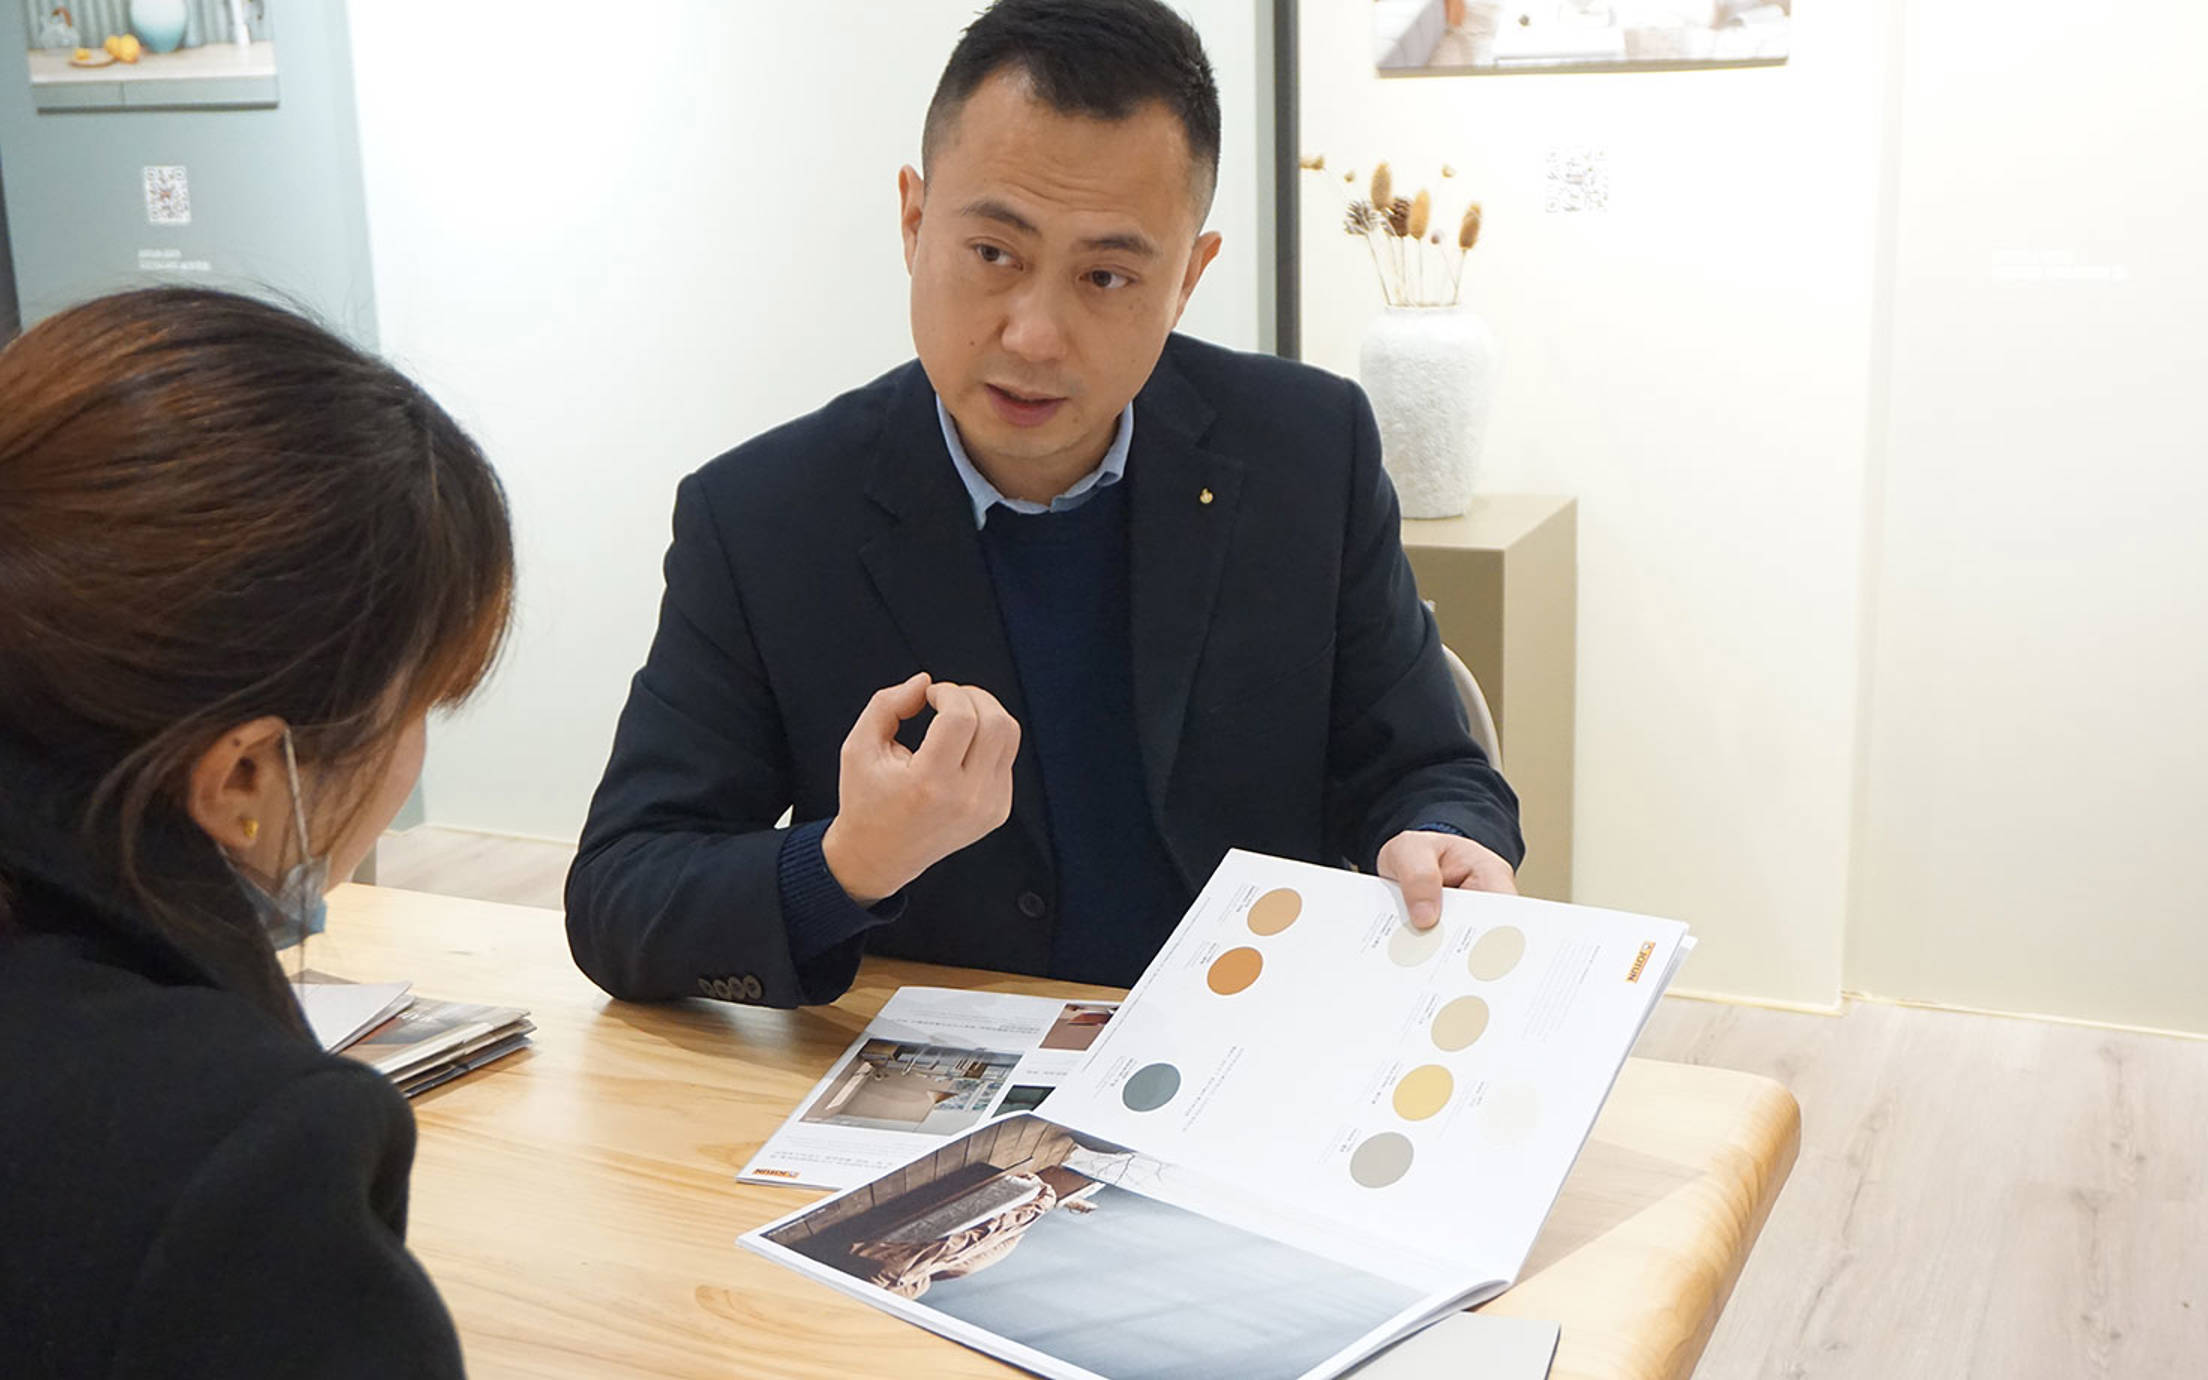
[{"x": 1475, "y": 709}]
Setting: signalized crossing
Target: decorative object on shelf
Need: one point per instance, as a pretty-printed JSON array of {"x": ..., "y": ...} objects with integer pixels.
[
  {"x": 1429, "y": 372},
  {"x": 1428, "y": 363},
  {"x": 57, "y": 30},
  {"x": 160, "y": 24}
]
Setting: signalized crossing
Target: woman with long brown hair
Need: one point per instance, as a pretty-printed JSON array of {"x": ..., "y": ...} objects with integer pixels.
[{"x": 240, "y": 562}]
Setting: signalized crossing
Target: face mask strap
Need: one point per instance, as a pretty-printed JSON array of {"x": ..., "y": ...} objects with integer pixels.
[{"x": 298, "y": 802}]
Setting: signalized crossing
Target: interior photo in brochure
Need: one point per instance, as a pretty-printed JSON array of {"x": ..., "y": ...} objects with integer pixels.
[
  {"x": 933, "y": 1063},
  {"x": 1023, "y": 1232}
]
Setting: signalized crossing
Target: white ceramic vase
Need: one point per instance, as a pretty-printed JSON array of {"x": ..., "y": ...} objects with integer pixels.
[{"x": 1430, "y": 372}]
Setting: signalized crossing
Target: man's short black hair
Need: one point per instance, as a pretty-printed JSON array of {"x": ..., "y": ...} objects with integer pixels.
[{"x": 1100, "y": 58}]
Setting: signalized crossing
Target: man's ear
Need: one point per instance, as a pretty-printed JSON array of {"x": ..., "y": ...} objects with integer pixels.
[
  {"x": 912, "y": 197},
  {"x": 239, "y": 792},
  {"x": 1207, "y": 249}
]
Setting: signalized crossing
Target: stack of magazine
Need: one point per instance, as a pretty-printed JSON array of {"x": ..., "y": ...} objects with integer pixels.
[
  {"x": 415, "y": 1042},
  {"x": 1310, "y": 1131}
]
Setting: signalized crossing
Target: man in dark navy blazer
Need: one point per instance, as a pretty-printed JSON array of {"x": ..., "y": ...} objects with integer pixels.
[{"x": 1028, "y": 633}]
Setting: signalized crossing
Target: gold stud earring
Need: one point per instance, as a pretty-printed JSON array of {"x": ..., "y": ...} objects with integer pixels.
[
  {"x": 1204, "y": 497},
  {"x": 252, "y": 828}
]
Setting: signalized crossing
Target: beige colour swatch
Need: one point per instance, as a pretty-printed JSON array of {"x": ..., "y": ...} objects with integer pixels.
[
  {"x": 1495, "y": 953},
  {"x": 1460, "y": 1023},
  {"x": 1411, "y": 947}
]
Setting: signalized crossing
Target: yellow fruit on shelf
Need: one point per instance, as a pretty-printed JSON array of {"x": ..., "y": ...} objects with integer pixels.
[
  {"x": 113, "y": 45},
  {"x": 131, "y": 49}
]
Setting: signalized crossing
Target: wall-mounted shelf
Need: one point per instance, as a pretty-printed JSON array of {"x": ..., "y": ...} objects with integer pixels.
[{"x": 219, "y": 75}]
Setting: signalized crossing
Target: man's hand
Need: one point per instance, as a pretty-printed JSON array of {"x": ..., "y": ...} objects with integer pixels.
[
  {"x": 900, "y": 812},
  {"x": 1423, "y": 863}
]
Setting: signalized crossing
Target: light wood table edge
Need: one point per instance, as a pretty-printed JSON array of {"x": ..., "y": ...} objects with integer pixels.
[{"x": 1701, "y": 1231}]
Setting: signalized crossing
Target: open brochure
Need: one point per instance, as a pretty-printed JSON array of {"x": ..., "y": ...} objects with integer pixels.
[
  {"x": 1309, "y": 1131},
  {"x": 934, "y": 1062},
  {"x": 340, "y": 1012}
]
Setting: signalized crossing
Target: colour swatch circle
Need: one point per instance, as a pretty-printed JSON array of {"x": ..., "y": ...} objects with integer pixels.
[
  {"x": 1150, "y": 1088},
  {"x": 1460, "y": 1023},
  {"x": 1423, "y": 1091},
  {"x": 1381, "y": 1160},
  {"x": 1509, "y": 1114},
  {"x": 1234, "y": 970},
  {"x": 1497, "y": 952},
  {"x": 1275, "y": 911},
  {"x": 1410, "y": 947}
]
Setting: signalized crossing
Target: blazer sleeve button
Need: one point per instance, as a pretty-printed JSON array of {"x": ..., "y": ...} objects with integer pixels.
[{"x": 1032, "y": 905}]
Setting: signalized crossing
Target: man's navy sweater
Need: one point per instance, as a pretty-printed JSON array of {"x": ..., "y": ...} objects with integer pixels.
[{"x": 1062, "y": 587}]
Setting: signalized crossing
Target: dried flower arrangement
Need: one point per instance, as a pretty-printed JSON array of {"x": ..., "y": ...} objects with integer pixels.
[{"x": 1416, "y": 266}]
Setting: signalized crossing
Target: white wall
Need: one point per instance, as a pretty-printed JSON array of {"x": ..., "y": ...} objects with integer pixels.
[
  {"x": 2035, "y": 809},
  {"x": 614, "y": 261},
  {"x": 1694, "y": 364}
]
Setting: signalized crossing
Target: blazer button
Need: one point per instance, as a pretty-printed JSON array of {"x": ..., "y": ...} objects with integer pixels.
[{"x": 1033, "y": 906}]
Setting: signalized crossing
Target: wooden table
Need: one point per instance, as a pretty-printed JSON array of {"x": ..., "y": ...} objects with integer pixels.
[{"x": 578, "y": 1205}]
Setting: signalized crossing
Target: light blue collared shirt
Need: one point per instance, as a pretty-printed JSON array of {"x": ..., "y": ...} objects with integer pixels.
[{"x": 1108, "y": 472}]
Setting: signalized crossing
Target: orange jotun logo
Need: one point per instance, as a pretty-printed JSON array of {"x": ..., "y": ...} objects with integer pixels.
[{"x": 1640, "y": 963}]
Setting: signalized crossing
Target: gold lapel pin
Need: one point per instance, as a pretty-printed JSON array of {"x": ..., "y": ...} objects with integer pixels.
[{"x": 1204, "y": 497}]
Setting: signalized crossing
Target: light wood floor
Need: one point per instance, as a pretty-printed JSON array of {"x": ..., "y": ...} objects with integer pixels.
[{"x": 1977, "y": 1197}]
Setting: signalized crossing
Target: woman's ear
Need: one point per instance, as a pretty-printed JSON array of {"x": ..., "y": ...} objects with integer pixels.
[{"x": 240, "y": 794}]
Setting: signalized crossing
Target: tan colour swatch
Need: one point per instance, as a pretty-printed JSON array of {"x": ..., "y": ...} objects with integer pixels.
[
  {"x": 1234, "y": 970},
  {"x": 1497, "y": 952},
  {"x": 1424, "y": 1091},
  {"x": 1460, "y": 1023},
  {"x": 1275, "y": 911}
]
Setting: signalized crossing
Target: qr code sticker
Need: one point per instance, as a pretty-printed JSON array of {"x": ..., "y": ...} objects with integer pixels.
[
  {"x": 1579, "y": 180},
  {"x": 168, "y": 197}
]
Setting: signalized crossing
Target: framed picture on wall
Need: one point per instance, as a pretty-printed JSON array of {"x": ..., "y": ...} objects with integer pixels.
[
  {"x": 150, "y": 54},
  {"x": 1474, "y": 36}
]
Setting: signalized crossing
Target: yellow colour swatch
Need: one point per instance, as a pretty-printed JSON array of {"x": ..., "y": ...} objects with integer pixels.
[{"x": 1424, "y": 1091}]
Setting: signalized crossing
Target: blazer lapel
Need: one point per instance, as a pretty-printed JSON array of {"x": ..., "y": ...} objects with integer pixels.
[
  {"x": 1184, "y": 500},
  {"x": 928, "y": 569}
]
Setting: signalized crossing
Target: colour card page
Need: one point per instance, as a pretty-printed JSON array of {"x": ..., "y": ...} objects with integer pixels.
[{"x": 1433, "y": 1086}]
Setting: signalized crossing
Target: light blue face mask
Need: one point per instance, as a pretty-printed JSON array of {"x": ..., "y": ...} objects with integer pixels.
[{"x": 297, "y": 907}]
